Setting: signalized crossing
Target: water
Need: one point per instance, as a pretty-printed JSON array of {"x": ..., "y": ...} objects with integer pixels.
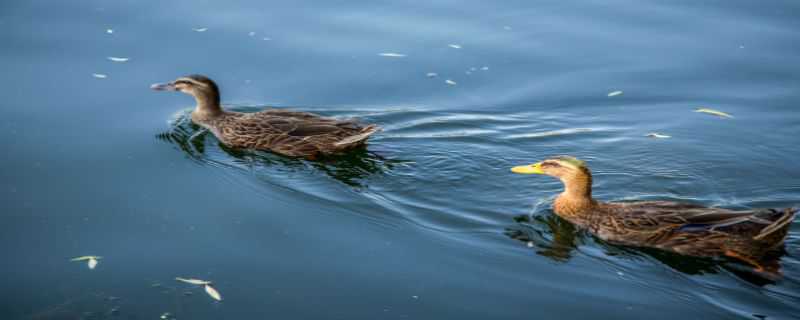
[{"x": 428, "y": 222}]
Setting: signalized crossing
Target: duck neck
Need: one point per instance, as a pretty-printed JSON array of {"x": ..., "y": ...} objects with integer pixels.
[
  {"x": 577, "y": 195},
  {"x": 207, "y": 105}
]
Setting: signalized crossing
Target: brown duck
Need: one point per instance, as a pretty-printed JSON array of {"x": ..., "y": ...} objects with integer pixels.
[
  {"x": 689, "y": 229},
  {"x": 290, "y": 133}
]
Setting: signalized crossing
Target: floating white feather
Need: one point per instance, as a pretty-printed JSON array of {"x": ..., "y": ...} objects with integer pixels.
[
  {"x": 713, "y": 112},
  {"x": 392, "y": 54},
  {"x": 657, "y": 135},
  {"x": 193, "y": 281},
  {"x": 213, "y": 293}
]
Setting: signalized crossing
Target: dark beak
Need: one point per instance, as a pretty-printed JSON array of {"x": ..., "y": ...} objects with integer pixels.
[{"x": 164, "y": 87}]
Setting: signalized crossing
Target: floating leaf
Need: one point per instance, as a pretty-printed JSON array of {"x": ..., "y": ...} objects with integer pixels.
[
  {"x": 99, "y": 75},
  {"x": 193, "y": 281},
  {"x": 614, "y": 93},
  {"x": 450, "y": 82},
  {"x": 657, "y": 135},
  {"x": 392, "y": 54},
  {"x": 714, "y": 112},
  {"x": 431, "y": 74},
  {"x": 118, "y": 59},
  {"x": 454, "y": 46},
  {"x": 213, "y": 293},
  {"x": 200, "y": 29}
]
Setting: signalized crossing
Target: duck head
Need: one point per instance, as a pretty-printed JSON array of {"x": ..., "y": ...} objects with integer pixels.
[
  {"x": 571, "y": 171},
  {"x": 203, "y": 89}
]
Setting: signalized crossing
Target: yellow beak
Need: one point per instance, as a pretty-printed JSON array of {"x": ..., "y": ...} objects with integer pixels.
[{"x": 529, "y": 169}]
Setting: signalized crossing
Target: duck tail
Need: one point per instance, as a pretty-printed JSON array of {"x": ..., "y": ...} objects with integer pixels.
[
  {"x": 359, "y": 138},
  {"x": 778, "y": 229}
]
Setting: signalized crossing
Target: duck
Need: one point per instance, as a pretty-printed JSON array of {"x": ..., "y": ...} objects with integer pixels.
[
  {"x": 286, "y": 132},
  {"x": 749, "y": 236}
]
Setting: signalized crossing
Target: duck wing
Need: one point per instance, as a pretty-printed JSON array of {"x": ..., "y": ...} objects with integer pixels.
[
  {"x": 690, "y": 218},
  {"x": 292, "y": 133}
]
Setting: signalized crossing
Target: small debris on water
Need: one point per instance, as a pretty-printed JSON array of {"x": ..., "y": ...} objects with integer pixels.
[
  {"x": 657, "y": 135},
  {"x": 392, "y": 54},
  {"x": 193, "y": 281},
  {"x": 484, "y": 68},
  {"x": 213, "y": 293},
  {"x": 450, "y": 82},
  {"x": 109, "y": 31},
  {"x": 200, "y": 29},
  {"x": 530, "y": 244},
  {"x": 415, "y": 297},
  {"x": 619, "y": 273},
  {"x": 99, "y": 75},
  {"x": 91, "y": 261},
  {"x": 713, "y": 112},
  {"x": 614, "y": 93},
  {"x": 266, "y": 39},
  {"x": 118, "y": 59},
  {"x": 431, "y": 74},
  {"x": 454, "y": 46}
]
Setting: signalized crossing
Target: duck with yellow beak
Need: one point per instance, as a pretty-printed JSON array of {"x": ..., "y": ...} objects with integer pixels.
[{"x": 750, "y": 236}]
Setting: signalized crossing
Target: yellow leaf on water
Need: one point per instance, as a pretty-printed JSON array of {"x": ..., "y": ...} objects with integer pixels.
[
  {"x": 213, "y": 293},
  {"x": 713, "y": 112}
]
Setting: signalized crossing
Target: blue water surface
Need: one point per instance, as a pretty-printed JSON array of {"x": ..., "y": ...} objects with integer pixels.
[{"x": 427, "y": 222}]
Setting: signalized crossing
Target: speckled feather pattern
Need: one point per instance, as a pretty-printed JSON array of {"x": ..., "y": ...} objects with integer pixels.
[
  {"x": 290, "y": 133},
  {"x": 680, "y": 227}
]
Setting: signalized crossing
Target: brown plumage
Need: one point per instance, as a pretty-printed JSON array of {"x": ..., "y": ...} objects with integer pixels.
[
  {"x": 290, "y": 133},
  {"x": 689, "y": 229}
]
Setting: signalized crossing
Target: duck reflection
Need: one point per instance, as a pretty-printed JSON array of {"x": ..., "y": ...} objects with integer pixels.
[
  {"x": 555, "y": 238},
  {"x": 350, "y": 168}
]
